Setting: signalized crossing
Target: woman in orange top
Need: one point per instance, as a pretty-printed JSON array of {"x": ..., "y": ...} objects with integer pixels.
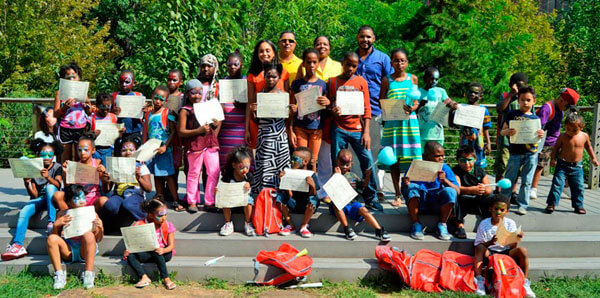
[{"x": 264, "y": 52}]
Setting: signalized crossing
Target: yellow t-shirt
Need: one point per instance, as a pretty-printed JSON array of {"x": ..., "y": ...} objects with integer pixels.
[
  {"x": 291, "y": 66},
  {"x": 332, "y": 69}
]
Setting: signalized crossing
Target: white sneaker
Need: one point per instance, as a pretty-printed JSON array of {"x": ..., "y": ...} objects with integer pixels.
[
  {"x": 522, "y": 211},
  {"x": 226, "y": 229},
  {"x": 527, "y": 287},
  {"x": 566, "y": 194},
  {"x": 249, "y": 228},
  {"x": 533, "y": 194},
  {"x": 60, "y": 279},
  {"x": 88, "y": 279},
  {"x": 480, "y": 281}
]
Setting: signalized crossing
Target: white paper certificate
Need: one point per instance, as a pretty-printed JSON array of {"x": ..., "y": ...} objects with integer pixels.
[
  {"x": 26, "y": 168},
  {"x": 206, "y": 111},
  {"x": 526, "y": 131},
  {"x": 440, "y": 114},
  {"x": 233, "y": 91},
  {"x": 469, "y": 115},
  {"x": 272, "y": 105},
  {"x": 174, "y": 103},
  {"x": 295, "y": 180},
  {"x": 505, "y": 238},
  {"x": 393, "y": 109},
  {"x": 131, "y": 106},
  {"x": 140, "y": 238},
  {"x": 82, "y": 221},
  {"x": 121, "y": 169},
  {"x": 230, "y": 195},
  {"x": 351, "y": 102},
  {"x": 109, "y": 132},
  {"x": 147, "y": 151},
  {"x": 78, "y": 173},
  {"x": 73, "y": 89},
  {"x": 339, "y": 190},
  {"x": 423, "y": 170},
  {"x": 307, "y": 101}
]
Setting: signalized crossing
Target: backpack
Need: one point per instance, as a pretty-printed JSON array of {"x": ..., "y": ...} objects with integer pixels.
[
  {"x": 425, "y": 271},
  {"x": 266, "y": 217},
  {"x": 458, "y": 272},
  {"x": 507, "y": 277},
  {"x": 164, "y": 229},
  {"x": 164, "y": 119},
  {"x": 285, "y": 264},
  {"x": 391, "y": 259}
]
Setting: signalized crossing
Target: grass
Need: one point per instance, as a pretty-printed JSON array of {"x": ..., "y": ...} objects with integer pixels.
[{"x": 28, "y": 284}]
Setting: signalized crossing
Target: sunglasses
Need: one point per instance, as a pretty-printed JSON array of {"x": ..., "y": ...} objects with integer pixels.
[
  {"x": 47, "y": 154},
  {"x": 159, "y": 97},
  {"x": 287, "y": 40}
]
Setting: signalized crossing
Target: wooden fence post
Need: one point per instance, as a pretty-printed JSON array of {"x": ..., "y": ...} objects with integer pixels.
[{"x": 595, "y": 139}]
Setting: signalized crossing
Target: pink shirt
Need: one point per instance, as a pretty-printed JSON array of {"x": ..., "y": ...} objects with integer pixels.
[{"x": 75, "y": 117}]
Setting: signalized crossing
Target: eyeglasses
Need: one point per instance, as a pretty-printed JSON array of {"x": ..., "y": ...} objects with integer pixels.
[
  {"x": 47, "y": 154},
  {"x": 283, "y": 40},
  {"x": 159, "y": 97}
]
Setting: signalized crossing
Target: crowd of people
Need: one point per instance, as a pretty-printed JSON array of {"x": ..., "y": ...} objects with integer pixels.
[{"x": 245, "y": 148}]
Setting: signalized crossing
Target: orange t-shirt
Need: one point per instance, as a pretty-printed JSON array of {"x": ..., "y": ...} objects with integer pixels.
[{"x": 352, "y": 123}]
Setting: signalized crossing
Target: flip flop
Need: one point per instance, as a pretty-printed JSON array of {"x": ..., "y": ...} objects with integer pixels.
[
  {"x": 397, "y": 202},
  {"x": 178, "y": 207},
  {"x": 170, "y": 286},
  {"x": 142, "y": 284}
]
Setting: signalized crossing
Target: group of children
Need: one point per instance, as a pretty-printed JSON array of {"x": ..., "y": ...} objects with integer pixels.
[{"x": 245, "y": 148}]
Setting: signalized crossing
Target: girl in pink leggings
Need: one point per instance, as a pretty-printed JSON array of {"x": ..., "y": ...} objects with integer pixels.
[{"x": 201, "y": 147}]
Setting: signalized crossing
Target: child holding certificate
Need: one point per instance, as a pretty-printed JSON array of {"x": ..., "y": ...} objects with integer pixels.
[
  {"x": 307, "y": 129},
  {"x": 431, "y": 95},
  {"x": 102, "y": 114},
  {"x": 477, "y": 138},
  {"x": 80, "y": 249},
  {"x": 40, "y": 191},
  {"x": 567, "y": 156},
  {"x": 486, "y": 243},
  {"x": 522, "y": 156},
  {"x": 354, "y": 210},
  {"x": 165, "y": 232},
  {"x": 237, "y": 169},
  {"x": 126, "y": 84}
]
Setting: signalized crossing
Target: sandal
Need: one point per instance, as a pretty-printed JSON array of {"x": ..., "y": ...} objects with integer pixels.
[
  {"x": 381, "y": 196},
  {"x": 178, "y": 207},
  {"x": 142, "y": 284},
  {"x": 550, "y": 208},
  {"x": 580, "y": 210},
  {"x": 170, "y": 286},
  {"x": 397, "y": 201}
]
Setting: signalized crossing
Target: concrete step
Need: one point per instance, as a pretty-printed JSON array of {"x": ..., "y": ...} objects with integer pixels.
[
  {"x": 241, "y": 269},
  {"x": 334, "y": 245}
]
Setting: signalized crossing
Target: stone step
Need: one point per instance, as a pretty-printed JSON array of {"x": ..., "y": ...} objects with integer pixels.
[
  {"x": 334, "y": 245},
  {"x": 241, "y": 269}
]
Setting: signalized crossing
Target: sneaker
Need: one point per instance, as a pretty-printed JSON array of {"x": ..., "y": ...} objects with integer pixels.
[
  {"x": 350, "y": 235},
  {"x": 382, "y": 235},
  {"x": 13, "y": 251},
  {"x": 60, "y": 279},
  {"x": 374, "y": 205},
  {"x": 305, "y": 233},
  {"x": 521, "y": 211},
  {"x": 88, "y": 279},
  {"x": 192, "y": 208},
  {"x": 460, "y": 233},
  {"x": 443, "y": 232},
  {"x": 480, "y": 281},
  {"x": 226, "y": 229},
  {"x": 533, "y": 193},
  {"x": 416, "y": 231},
  {"x": 49, "y": 228},
  {"x": 528, "y": 291},
  {"x": 286, "y": 231},
  {"x": 513, "y": 198},
  {"x": 249, "y": 228}
]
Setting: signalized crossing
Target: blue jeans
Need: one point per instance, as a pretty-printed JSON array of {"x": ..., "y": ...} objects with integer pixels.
[
  {"x": 102, "y": 153},
  {"x": 573, "y": 172},
  {"x": 130, "y": 201},
  {"x": 32, "y": 207},
  {"x": 431, "y": 200},
  {"x": 296, "y": 205},
  {"x": 527, "y": 163},
  {"x": 340, "y": 140}
]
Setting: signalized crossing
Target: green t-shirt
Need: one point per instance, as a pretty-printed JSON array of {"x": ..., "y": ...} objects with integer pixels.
[{"x": 430, "y": 130}]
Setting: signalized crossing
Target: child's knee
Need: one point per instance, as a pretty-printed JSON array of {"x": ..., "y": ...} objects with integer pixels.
[
  {"x": 481, "y": 250},
  {"x": 53, "y": 240},
  {"x": 522, "y": 252},
  {"x": 89, "y": 238},
  {"x": 363, "y": 211}
]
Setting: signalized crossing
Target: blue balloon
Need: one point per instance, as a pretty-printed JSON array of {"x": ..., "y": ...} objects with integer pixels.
[
  {"x": 432, "y": 95},
  {"x": 387, "y": 157},
  {"x": 504, "y": 183}
]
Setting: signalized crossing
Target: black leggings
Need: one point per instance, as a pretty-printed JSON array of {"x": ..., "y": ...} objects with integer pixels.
[{"x": 136, "y": 259}]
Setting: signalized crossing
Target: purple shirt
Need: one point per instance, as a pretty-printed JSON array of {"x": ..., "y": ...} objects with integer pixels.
[{"x": 551, "y": 126}]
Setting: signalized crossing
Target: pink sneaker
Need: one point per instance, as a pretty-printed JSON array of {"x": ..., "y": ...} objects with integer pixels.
[
  {"x": 286, "y": 231},
  {"x": 13, "y": 251},
  {"x": 304, "y": 232}
]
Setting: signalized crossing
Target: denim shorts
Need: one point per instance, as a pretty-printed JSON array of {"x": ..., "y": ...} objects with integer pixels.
[
  {"x": 75, "y": 247},
  {"x": 297, "y": 205}
]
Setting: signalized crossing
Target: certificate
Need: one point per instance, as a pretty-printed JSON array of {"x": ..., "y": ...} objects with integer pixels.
[
  {"x": 295, "y": 179},
  {"x": 82, "y": 221},
  {"x": 393, "y": 109},
  {"x": 350, "y": 102},
  {"x": 230, "y": 195},
  {"x": 147, "y": 151},
  {"x": 121, "y": 169},
  {"x": 504, "y": 237},
  {"x": 440, "y": 114},
  {"x": 174, "y": 103},
  {"x": 272, "y": 105},
  {"x": 73, "y": 89},
  {"x": 140, "y": 238},
  {"x": 307, "y": 101},
  {"x": 26, "y": 168},
  {"x": 469, "y": 115},
  {"x": 78, "y": 173},
  {"x": 131, "y": 106},
  {"x": 423, "y": 170},
  {"x": 526, "y": 131},
  {"x": 109, "y": 133},
  {"x": 339, "y": 190},
  {"x": 206, "y": 111},
  {"x": 233, "y": 91}
]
